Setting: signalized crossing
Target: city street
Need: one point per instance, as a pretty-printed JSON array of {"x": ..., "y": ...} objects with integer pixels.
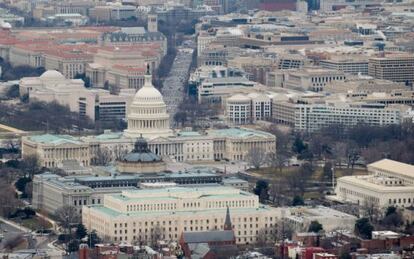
[{"x": 174, "y": 84}]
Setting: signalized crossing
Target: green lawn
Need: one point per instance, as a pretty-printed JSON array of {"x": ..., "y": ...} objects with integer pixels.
[{"x": 35, "y": 223}]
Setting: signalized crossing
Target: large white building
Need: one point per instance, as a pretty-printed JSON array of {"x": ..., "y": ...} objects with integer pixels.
[
  {"x": 389, "y": 183},
  {"x": 147, "y": 116},
  {"x": 314, "y": 113},
  {"x": 142, "y": 215},
  {"x": 96, "y": 104}
]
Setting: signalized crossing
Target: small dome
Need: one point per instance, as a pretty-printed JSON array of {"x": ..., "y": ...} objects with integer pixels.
[
  {"x": 6, "y": 25},
  {"x": 52, "y": 74}
]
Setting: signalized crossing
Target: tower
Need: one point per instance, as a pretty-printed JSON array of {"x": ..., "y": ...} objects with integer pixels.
[
  {"x": 152, "y": 22},
  {"x": 227, "y": 222}
]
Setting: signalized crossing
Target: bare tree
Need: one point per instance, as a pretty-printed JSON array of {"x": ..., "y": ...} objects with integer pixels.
[
  {"x": 31, "y": 164},
  {"x": 256, "y": 157},
  {"x": 8, "y": 201},
  {"x": 102, "y": 157},
  {"x": 277, "y": 189},
  {"x": 353, "y": 153},
  {"x": 339, "y": 152},
  {"x": 157, "y": 234},
  {"x": 119, "y": 152},
  {"x": 280, "y": 231},
  {"x": 67, "y": 216},
  {"x": 262, "y": 238},
  {"x": 277, "y": 160},
  {"x": 370, "y": 209}
]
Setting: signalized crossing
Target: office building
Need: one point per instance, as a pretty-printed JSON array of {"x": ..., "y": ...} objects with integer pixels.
[
  {"x": 95, "y": 104},
  {"x": 142, "y": 215},
  {"x": 51, "y": 191},
  {"x": 389, "y": 183},
  {"x": 398, "y": 68},
  {"x": 301, "y": 217}
]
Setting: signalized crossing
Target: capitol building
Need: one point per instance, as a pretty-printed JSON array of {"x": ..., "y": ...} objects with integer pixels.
[{"x": 148, "y": 118}]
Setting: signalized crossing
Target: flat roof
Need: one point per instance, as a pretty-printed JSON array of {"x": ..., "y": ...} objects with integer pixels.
[
  {"x": 54, "y": 139},
  {"x": 239, "y": 132},
  {"x": 114, "y": 213},
  {"x": 392, "y": 166}
]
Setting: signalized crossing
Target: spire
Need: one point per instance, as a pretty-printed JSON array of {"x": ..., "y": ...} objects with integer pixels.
[{"x": 227, "y": 222}]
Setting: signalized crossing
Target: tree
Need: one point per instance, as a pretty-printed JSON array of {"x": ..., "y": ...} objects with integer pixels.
[
  {"x": 298, "y": 201},
  {"x": 31, "y": 165},
  {"x": 393, "y": 217},
  {"x": 353, "y": 153},
  {"x": 180, "y": 117},
  {"x": 256, "y": 157},
  {"x": 119, "y": 152},
  {"x": 371, "y": 210},
  {"x": 262, "y": 190},
  {"x": 67, "y": 216},
  {"x": 364, "y": 228},
  {"x": 102, "y": 157},
  {"x": 298, "y": 180},
  {"x": 8, "y": 200},
  {"x": 86, "y": 80},
  {"x": 282, "y": 154},
  {"x": 327, "y": 171},
  {"x": 80, "y": 231},
  {"x": 298, "y": 146},
  {"x": 93, "y": 239},
  {"x": 157, "y": 234},
  {"x": 13, "y": 92},
  {"x": 73, "y": 245},
  {"x": 315, "y": 226},
  {"x": 277, "y": 189}
]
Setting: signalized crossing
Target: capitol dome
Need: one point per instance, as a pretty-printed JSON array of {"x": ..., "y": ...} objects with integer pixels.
[{"x": 147, "y": 114}]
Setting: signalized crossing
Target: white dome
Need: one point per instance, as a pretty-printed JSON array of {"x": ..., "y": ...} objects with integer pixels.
[
  {"x": 147, "y": 115},
  {"x": 148, "y": 93},
  {"x": 52, "y": 74}
]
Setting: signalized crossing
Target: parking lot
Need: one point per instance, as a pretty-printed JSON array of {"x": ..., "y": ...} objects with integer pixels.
[{"x": 174, "y": 85}]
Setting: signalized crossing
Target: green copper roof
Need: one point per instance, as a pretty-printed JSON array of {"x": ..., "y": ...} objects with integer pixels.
[
  {"x": 55, "y": 139},
  {"x": 239, "y": 132}
]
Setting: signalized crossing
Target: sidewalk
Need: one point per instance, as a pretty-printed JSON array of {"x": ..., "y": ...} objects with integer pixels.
[{"x": 15, "y": 225}]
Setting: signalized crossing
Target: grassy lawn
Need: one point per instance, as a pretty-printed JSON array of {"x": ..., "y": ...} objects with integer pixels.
[{"x": 35, "y": 223}]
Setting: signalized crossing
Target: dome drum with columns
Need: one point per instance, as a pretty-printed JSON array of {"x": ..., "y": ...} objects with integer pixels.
[{"x": 148, "y": 115}]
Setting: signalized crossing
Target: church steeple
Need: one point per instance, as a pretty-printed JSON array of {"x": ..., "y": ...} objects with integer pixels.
[{"x": 227, "y": 222}]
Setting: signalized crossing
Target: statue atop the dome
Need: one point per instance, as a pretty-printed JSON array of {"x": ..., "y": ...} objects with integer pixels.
[{"x": 148, "y": 69}]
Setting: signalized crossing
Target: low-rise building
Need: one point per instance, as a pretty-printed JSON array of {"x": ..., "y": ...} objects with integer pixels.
[
  {"x": 301, "y": 217},
  {"x": 311, "y": 114},
  {"x": 142, "y": 215},
  {"x": 51, "y": 191},
  {"x": 215, "y": 90},
  {"x": 314, "y": 79},
  {"x": 394, "y": 67},
  {"x": 389, "y": 183},
  {"x": 95, "y": 104}
]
